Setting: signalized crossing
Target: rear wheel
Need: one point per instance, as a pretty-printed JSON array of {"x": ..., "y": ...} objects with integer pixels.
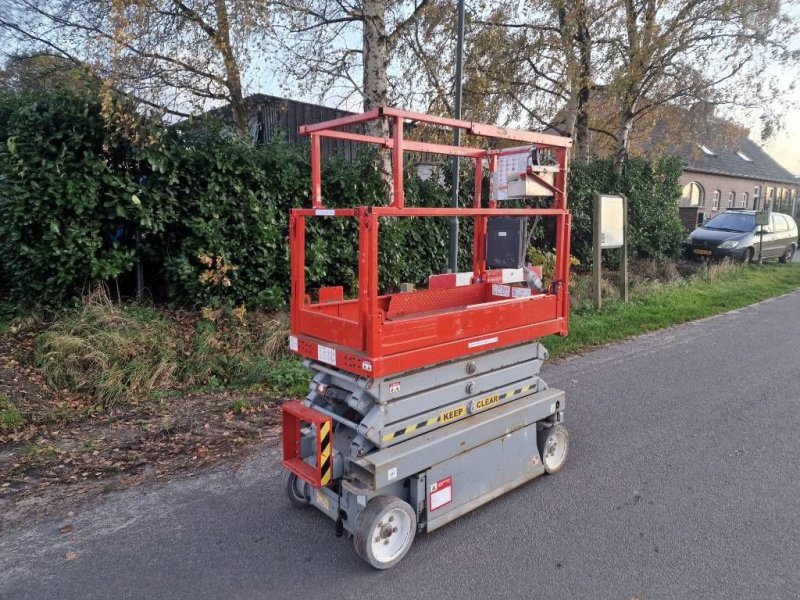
[
  {"x": 554, "y": 447},
  {"x": 296, "y": 489},
  {"x": 385, "y": 531},
  {"x": 788, "y": 255}
]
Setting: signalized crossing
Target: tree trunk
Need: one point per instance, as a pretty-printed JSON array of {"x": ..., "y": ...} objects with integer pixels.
[
  {"x": 584, "y": 43},
  {"x": 576, "y": 39},
  {"x": 375, "y": 77},
  {"x": 233, "y": 78},
  {"x": 582, "y": 151},
  {"x": 623, "y": 137}
]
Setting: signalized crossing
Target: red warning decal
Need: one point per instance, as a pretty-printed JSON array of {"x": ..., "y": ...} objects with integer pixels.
[{"x": 441, "y": 493}]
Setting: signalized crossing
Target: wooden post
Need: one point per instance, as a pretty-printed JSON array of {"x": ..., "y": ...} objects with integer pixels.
[
  {"x": 623, "y": 263},
  {"x": 597, "y": 254}
]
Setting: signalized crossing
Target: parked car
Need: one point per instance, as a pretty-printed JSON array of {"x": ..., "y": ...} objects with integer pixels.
[{"x": 734, "y": 234}]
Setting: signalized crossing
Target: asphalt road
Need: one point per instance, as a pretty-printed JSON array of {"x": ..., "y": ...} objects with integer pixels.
[{"x": 682, "y": 483}]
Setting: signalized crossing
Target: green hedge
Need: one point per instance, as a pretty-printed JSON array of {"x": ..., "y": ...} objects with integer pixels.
[
  {"x": 652, "y": 189},
  {"x": 208, "y": 213}
]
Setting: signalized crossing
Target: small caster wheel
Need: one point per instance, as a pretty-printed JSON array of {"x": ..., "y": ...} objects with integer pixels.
[
  {"x": 385, "y": 531},
  {"x": 295, "y": 489},
  {"x": 554, "y": 447}
]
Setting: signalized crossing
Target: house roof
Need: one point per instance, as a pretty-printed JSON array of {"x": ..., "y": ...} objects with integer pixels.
[{"x": 732, "y": 161}]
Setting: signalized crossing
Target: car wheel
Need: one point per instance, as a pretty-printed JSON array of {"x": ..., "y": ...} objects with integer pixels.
[
  {"x": 747, "y": 257},
  {"x": 788, "y": 255}
]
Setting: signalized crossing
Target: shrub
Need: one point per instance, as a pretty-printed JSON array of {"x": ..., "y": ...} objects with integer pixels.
[
  {"x": 654, "y": 228},
  {"x": 208, "y": 212}
]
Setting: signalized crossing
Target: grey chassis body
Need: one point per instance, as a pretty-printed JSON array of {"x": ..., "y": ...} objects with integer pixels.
[{"x": 474, "y": 423}]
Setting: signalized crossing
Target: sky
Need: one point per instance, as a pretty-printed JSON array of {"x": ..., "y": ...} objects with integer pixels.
[{"x": 785, "y": 147}]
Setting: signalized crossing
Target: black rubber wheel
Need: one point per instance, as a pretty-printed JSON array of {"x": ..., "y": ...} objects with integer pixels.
[
  {"x": 296, "y": 489},
  {"x": 554, "y": 448},
  {"x": 788, "y": 255},
  {"x": 747, "y": 257},
  {"x": 384, "y": 531}
]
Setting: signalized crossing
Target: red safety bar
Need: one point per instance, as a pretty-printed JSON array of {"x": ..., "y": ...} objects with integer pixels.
[
  {"x": 376, "y": 335},
  {"x": 295, "y": 417}
]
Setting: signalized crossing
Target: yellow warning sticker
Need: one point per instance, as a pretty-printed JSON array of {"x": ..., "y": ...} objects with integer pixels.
[
  {"x": 487, "y": 402},
  {"x": 452, "y": 414},
  {"x": 322, "y": 500}
]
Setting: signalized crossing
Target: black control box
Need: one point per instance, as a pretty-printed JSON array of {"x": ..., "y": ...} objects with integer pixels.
[{"x": 505, "y": 242}]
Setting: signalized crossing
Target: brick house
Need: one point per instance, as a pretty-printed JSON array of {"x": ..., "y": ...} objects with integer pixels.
[{"x": 743, "y": 175}]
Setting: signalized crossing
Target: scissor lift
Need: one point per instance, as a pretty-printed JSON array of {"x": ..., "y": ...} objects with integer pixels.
[{"x": 428, "y": 403}]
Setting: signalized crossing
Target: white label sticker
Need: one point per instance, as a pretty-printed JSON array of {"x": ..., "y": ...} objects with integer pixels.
[
  {"x": 498, "y": 289},
  {"x": 392, "y": 474},
  {"x": 480, "y": 343},
  {"x": 441, "y": 493},
  {"x": 366, "y": 366},
  {"x": 361, "y": 499},
  {"x": 324, "y": 212},
  {"x": 553, "y": 407},
  {"x": 501, "y": 234},
  {"x": 520, "y": 292},
  {"x": 326, "y": 355},
  {"x": 292, "y": 343}
]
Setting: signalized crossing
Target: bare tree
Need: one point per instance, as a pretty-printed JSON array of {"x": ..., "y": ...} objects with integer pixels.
[
  {"x": 328, "y": 44},
  {"x": 175, "y": 56},
  {"x": 343, "y": 50}
]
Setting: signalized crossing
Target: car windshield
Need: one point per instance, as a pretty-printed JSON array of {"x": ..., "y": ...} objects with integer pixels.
[{"x": 731, "y": 221}]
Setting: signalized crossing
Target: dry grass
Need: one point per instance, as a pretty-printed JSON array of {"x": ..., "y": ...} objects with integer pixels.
[{"x": 108, "y": 351}]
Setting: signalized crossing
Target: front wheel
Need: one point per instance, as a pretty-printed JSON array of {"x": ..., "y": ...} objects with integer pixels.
[
  {"x": 385, "y": 531},
  {"x": 296, "y": 489},
  {"x": 554, "y": 447},
  {"x": 788, "y": 255},
  {"x": 747, "y": 257}
]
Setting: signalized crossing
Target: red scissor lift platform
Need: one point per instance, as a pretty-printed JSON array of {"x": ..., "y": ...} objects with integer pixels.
[
  {"x": 375, "y": 335},
  {"x": 428, "y": 403}
]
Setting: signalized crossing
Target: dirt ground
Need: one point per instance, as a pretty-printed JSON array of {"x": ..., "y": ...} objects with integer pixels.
[{"x": 67, "y": 450}]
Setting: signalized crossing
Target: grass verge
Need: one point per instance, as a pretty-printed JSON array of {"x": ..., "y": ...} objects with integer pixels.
[{"x": 711, "y": 291}]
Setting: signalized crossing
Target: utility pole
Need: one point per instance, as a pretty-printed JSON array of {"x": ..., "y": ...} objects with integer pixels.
[{"x": 453, "y": 231}]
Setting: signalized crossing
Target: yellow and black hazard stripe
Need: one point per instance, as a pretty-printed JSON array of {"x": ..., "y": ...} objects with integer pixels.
[
  {"x": 388, "y": 437},
  {"x": 409, "y": 429},
  {"x": 325, "y": 455},
  {"x": 517, "y": 392}
]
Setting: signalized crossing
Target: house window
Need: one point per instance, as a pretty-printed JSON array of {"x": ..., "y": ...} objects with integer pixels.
[
  {"x": 743, "y": 200},
  {"x": 756, "y": 196},
  {"x": 770, "y": 199},
  {"x": 693, "y": 195},
  {"x": 715, "y": 204},
  {"x": 706, "y": 150},
  {"x": 731, "y": 199}
]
